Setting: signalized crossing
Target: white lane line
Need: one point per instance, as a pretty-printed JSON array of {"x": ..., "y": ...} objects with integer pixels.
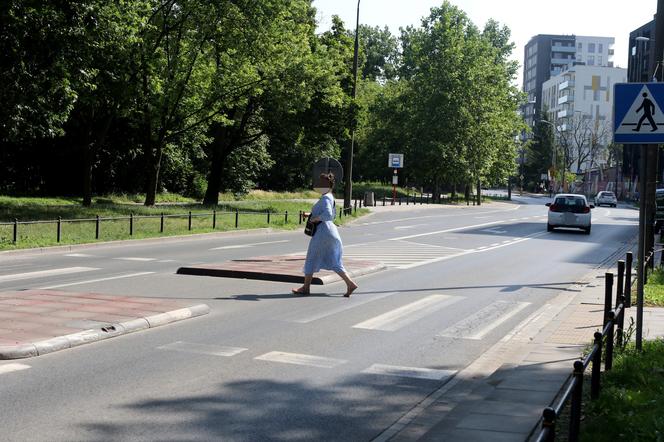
[
  {"x": 300, "y": 359},
  {"x": 79, "y": 255},
  {"x": 514, "y": 241},
  {"x": 90, "y": 281},
  {"x": 357, "y": 301},
  {"x": 467, "y": 328},
  {"x": 45, "y": 273},
  {"x": 8, "y": 368},
  {"x": 166, "y": 260},
  {"x": 239, "y": 246},
  {"x": 437, "y": 232},
  {"x": 203, "y": 349},
  {"x": 131, "y": 258},
  {"x": 402, "y": 316},
  {"x": 409, "y": 372},
  {"x": 409, "y": 227},
  {"x": 495, "y": 244},
  {"x": 482, "y": 217},
  {"x": 506, "y": 241}
]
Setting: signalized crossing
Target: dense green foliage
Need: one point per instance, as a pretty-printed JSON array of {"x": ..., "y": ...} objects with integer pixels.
[{"x": 202, "y": 97}]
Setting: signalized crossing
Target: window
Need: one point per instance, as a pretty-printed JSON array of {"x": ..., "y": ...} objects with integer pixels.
[
  {"x": 596, "y": 95},
  {"x": 591, "y": 60},
  {"x": 600, "y": 48},
  {"x": 599, "y": 60},
  {"x": 580, "y": 46},
  {"x": 591, "y": 48}
]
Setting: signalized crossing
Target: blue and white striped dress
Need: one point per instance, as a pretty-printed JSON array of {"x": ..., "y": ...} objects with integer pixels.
[{"x": 325, "y": 248}]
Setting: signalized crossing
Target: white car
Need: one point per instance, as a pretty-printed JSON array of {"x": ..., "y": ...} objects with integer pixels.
[
  {"x": 605, "y": 197},
  {"x": 569, "y": 210}
]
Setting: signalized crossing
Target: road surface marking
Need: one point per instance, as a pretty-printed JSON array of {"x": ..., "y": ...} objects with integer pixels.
[
  {"x": 79, "y": 255},
  {"x": 409, "y": 372},
  {"x": 45, "y": 273},
  {"x": 240, "y": 246},
  {"x": 131, "y": 258},
  {"x": 494, "y": 230},
  {"x": 437, "y": 232},
  {"x": 482, "y": 217},
  {"x": 409, "y": 227},
  {"x": 90, "y": 281},
  {"x": 166, "y": 260},
  {"x": 357, "y": 301},
  {"x": 402, "y": 316},
  {"x": 203, "y": 349},
  {"x": 8, "y": 368},
  {"x": 402, "y": 255},
  {"x": 478, "y": 325},
  {"x": 300, "y": 359}
]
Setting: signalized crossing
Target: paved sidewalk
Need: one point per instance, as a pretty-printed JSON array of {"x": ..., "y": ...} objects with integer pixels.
[
  {"x": 36, "y": 322},
  {"x": 500, "y": 397},
  {"x": 282, "y": 268}
]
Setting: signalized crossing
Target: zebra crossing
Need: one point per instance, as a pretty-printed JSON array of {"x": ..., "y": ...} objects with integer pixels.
[
  {"x": 474, "y": 326},
  {"x": 401, "y": 254}
]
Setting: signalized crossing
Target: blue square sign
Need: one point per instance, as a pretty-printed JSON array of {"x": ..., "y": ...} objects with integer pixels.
[{"x": 637, "y": 113}]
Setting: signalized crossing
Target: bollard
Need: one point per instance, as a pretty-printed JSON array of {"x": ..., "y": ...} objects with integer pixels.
[
  {"x": 620, "y": 302},
  {"x": 268, "y": 217},
  {"x": 237, "y": 218},
  {"x": 286, "y": 217},
  {"x": 597, "y": 361},
  {"x": 608, "y": 359},
  {"x": 628, "y": 279},
  {"x": 608, "y": 291},
  {"x": 131, "y": 224},
  {"x": 399, "y": 200},
  {"x": 214, "y": 219},
  {"x": 577, "y": 397},
  {"x": 189, "y": 222},
  {"x": 427, "y": 199},
  {"x": 161, "y": 223},
  {"x": 15, "y": 230},
  {"x": 97, "y": 227},
  {"x": 59, "y": 228},
  {"x": 300, "y": 217},
  {"x": 421, "y": 199},
  {"x": 355, "y": 206},
  {"x": 549, "y": 423},
  {"x": 341, "y": 212},
  {"x": 407, "y": 198},
  {"x": 383, "y": 200}
]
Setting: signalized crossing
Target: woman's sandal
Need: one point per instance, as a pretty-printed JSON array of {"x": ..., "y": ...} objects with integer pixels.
[
  {"x": 300, "y": 291},
  {"x": 349, "y": 292}
]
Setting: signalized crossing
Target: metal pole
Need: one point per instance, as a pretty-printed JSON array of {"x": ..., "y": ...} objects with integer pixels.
[
  {"x": 15, "y": 230},
  {"x": 620, "y": 299},
  {"x": 214, "y": 219},
  {"x": 59, "y": 228},
  {"x": 348, "y": 190},
  {"x": 577, "y": 398},
  {"x": 596, "y": 370},
  {"x": 97, "y": 227},
  {"x": 608, "y": 361},
  {"x": 629, "y": 258},
  {"x": 608, "y": 291},
  {"x": 641, "y": 253}
]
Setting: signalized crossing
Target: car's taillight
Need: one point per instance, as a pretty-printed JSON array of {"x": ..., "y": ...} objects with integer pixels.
[
  {"x": 586, "y": 209},
  {"x": 553, "y": 208}
]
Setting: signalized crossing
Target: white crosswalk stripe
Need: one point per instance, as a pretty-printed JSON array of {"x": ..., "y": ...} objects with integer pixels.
[
  {"x": 407, "y": 314},
  {"x": 300, "y": 359},
  {"x": 8, "y": 368},
  {"x": 45, "y": 273},
  {"x": 401, "y": 254},
  {"x": 204, "y": 349},
  {"x": 409, "y": 372},
  {"x": 482, "y": 322}
]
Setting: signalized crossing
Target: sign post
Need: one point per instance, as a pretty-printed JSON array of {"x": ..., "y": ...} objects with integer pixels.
[
  {"x": 638, "y": 119},
  {"x": 395, "y": 161}
]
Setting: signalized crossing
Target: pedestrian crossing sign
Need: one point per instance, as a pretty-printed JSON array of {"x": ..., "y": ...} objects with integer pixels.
[{"x": 637, "y": 113}]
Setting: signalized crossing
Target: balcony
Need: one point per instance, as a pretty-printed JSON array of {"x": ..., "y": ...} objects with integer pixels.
[
  {"x": 562, "y": 60},
  {"x": 566, "y": 84},
  {"x": 566, "y": 99},
  {"x": 559, "y": 48},
  {"x": 611, "y": 52}
]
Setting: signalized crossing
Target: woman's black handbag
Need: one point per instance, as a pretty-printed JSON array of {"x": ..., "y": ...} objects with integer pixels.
[{"x": 310, "y": 227}]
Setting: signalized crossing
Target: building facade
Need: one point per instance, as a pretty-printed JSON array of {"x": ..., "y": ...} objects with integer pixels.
[
  {"x": 547, "y": 55},
  {"x": 579, "y": 103}
]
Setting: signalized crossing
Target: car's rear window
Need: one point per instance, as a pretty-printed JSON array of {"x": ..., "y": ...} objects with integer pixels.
[
  {"x": 609, "y": 194},
  {"x": 570, "y": 204}
]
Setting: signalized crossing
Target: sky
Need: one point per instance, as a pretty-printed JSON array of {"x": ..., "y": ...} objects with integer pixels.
[{"x": 603, "y": 18}]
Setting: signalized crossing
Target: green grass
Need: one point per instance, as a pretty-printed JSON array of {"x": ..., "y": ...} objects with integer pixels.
[
  {"x": 253, "y": 214},
  {"x": 631, "y": 404},
  {"x": 653, "y": 291}
]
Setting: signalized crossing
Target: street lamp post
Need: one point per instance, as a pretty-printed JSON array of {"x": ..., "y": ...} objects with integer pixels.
[{"x": 348, "y": 189}]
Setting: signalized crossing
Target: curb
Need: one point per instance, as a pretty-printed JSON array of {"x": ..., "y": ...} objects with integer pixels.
[{"x": 93, "y": 335}]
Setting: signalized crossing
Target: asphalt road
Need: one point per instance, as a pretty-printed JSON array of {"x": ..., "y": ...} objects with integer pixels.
[{"x": 265, "y": 365}]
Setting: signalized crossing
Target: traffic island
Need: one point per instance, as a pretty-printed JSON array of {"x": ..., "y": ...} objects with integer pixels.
[
  {"x": 37, "y": 322},
  {"x": 282, "y": 268}
]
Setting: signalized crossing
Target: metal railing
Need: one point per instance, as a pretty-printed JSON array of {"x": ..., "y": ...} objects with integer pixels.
[{"x": 603, "y": 343}]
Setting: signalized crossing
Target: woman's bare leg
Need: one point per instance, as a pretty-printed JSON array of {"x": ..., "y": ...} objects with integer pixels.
[
  {"x": 350, "y": 284},
  {"x": 304, "y": 290}
]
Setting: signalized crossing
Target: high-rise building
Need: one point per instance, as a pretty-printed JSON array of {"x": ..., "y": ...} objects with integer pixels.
[{"x": 548, "y": 55}]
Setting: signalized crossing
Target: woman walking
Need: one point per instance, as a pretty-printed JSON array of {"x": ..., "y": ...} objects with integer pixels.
[{"x": 325, "y": 248}]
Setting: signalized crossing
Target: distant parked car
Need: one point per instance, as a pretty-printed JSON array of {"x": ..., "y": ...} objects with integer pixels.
[
  {"x": 606, "y": 197},
  {"x": 569, "y": 210}
]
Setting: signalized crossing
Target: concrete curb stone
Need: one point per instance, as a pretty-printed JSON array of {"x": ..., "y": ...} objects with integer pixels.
[{"x": 39, "y": 348}]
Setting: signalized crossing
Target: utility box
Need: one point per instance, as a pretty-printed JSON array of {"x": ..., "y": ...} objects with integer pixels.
[{"x": 368, "y": 199}]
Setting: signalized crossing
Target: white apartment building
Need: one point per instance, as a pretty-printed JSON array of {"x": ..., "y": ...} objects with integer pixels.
[
  {"x": 594, "y": 51},
  {"x": 582, "y": 96}
]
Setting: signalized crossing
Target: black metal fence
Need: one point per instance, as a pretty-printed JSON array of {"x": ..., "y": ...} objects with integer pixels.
[{"x": 612, "y": 334}]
